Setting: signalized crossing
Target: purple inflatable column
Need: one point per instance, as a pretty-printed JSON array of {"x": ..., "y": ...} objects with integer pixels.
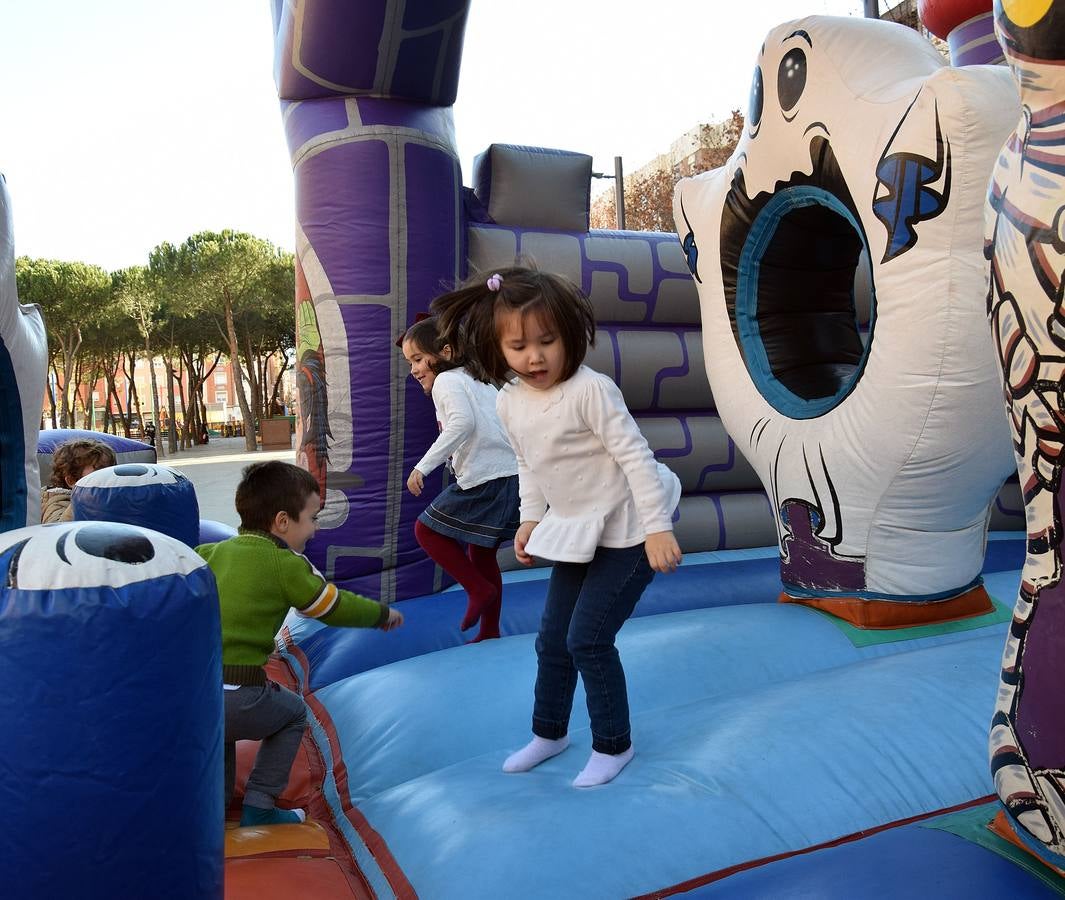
[{"x": 366, "y": 90}]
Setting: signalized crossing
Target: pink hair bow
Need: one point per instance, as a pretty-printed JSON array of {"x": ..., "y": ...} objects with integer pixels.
[{"x": 494, "y": 282}]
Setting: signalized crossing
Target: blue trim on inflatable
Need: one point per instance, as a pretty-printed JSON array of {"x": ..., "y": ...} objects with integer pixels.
[
  {"x": 13, "y": 486},
  {"x": 794, "y": 590},
  {"x": 363, "y": 857},
  {"x": 758, "y": 240},
  {"x": 1038, "y": 848}
]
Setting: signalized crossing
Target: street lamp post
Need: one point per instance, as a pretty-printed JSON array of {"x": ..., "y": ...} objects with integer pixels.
[{"x": 619, "y": 191}]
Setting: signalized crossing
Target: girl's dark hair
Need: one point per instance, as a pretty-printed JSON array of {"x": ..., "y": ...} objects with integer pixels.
[
  {"x": 425, "y": 335},
  {"x": 469, "y": 317},
  {"x": 70, "y": 459},
  {"x": 267, "y": 488}
]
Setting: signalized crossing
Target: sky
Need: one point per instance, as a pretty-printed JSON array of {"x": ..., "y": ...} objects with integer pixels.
[{"x": 125, "y": 123}]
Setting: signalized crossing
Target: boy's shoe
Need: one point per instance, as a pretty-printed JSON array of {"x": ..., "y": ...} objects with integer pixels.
[{"x": 255, "y": 816}]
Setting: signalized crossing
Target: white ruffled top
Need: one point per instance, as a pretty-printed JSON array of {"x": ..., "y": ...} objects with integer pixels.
[
  {"x": 470, "y": 431},
  {"x": 585, "y": 471}
]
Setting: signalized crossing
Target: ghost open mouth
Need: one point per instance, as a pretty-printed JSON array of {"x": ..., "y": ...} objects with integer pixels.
[{"x": 798, "y": 285}]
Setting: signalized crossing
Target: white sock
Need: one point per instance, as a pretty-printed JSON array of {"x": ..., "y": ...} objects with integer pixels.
[
  {"x": 534, "y": 753},
  {"x": 602, "y": 767}
]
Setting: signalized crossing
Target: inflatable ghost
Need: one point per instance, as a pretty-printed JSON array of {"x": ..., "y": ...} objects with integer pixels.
[
  {"x": 1025, "y": 222},
  {"x": 837, "y": 256},
  {"x": 23, "y": 359}
]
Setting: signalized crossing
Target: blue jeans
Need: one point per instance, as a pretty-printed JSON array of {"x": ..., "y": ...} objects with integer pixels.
[
  {"x": 277, "y": 717},
  {"x": 587, "y": 603}
]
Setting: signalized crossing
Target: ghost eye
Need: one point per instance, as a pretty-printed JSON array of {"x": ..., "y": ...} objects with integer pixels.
[
  {"x": 791, "y": 78},
  {"x": 754, "y": 113}
]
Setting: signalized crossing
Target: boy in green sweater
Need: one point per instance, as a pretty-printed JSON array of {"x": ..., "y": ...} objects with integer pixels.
[{"x": 261, "y": 573}]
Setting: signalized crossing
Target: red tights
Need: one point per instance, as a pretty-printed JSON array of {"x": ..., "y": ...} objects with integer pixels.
[{"x": 476, "y": 569}]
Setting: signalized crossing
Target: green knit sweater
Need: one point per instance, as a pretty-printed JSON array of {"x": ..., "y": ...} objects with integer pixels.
[{"x": 259, "y": 578}]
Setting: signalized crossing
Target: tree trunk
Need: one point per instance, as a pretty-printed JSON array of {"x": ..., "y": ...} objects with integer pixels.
[
  {"x": 53, "y": 383},
  {"x": 76, "y": 381},
  {"x": 69, "y": 344},
  {"x": 154, "y": 406},
  {"x": 255, "y": 401},
  {"x": 122, "y": 417},
  {"x": 171, "y": 436},
  {"x": 134, "y": 401},
  {"x": 277, "y": 381},
  {"x": 110, "y": 374},
  {"x": 186, "y": 425},
  {"x": 250, "y": 442}
]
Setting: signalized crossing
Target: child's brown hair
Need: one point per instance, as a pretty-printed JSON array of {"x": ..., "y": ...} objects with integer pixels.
[
  {"x": 70, "y": 459},
  {"x": 267, "y": 488},
  {"x": 468, "y": 317},
  {"x": 425, "y": 335}
]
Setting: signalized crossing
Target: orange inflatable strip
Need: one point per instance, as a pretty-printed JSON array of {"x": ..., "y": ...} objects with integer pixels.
[
  {"x": 307, "y": 838},
  {"x": 864, "y": 613},
  {"x": 286, "y": 878},
  {"x": 1000, "y": 825}
]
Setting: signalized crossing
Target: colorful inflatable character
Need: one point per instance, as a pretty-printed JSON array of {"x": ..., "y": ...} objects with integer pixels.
[
  {"x": 23, "y": 359},
  {"x": 312, "y": 440},
  {"x": 1025, "y": 243},
  {"x": 837, "y": 258}
]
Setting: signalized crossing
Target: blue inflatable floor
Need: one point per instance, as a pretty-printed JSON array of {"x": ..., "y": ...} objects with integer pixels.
[{"x": 760, "y": 729}]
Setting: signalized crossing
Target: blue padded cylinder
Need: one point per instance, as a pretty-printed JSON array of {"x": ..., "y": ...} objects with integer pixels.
[
  {"x": 144, "y": 494},
  {"x": 211, "y": 531},
  {"x": 110, "y": 657}
]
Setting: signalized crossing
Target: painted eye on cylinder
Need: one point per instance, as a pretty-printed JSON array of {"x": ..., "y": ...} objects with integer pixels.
[
  {"x": 791, "y": 78},
  {"x": 754, "y": 113}
]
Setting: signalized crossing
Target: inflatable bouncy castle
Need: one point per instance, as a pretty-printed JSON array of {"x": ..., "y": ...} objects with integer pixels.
[
  {"x": 825, "y": 301},
  {"x": 771, "y": 737}
]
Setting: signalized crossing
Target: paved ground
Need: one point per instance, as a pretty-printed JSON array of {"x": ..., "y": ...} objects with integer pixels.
[{"x": 214, "y": 470}]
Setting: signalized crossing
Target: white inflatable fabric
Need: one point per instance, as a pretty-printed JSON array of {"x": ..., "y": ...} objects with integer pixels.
[
  {"x": 145, "y": 494},
  {"x": 857, "y": 186},
  {"x": 23, "y": 367},
  {"x": 1025, "y": 222}
]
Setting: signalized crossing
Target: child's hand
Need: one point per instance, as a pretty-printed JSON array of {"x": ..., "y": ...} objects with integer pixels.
[
  {"x": 415, "y": 482},
  {"x": 525, "y": 531},
  {"x": 663, "y": 552},
  {"x": 395, "y": 619}
]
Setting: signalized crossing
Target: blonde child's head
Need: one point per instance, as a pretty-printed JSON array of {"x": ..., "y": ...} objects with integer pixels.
[{"x": 76, "y": 459}]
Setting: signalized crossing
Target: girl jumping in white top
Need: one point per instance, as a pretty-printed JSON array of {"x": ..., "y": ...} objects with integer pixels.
[
  {"x": 593, "y": 498},
  {"x": 461, "y": 529}
]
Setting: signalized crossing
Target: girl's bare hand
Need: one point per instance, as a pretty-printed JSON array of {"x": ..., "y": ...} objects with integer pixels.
[
  {"x": 415, "y": 482},
  {"x": 663, "y": 551},
  {"x": 525, "y": 531}
]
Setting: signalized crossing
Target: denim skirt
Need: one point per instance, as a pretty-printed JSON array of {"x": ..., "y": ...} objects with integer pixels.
[{"x": 486, "y": 514}]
